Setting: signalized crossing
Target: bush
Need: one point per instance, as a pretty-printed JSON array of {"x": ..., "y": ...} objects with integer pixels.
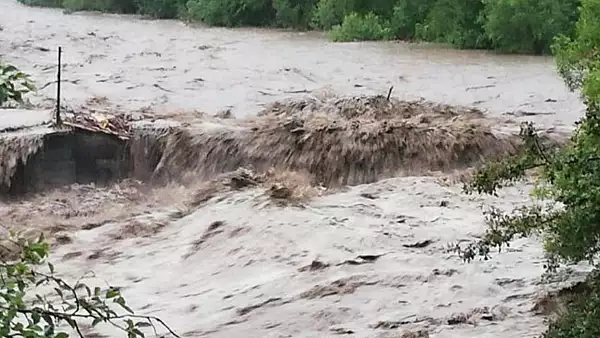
[
  {"x": 528, "y": 26},
  {"x": 568, "y": 176},
  {"x": 381, "y": 8},
  {"x": 161, "y": 9},
  {"x": 455, "y": 22},
  {"x": 42, "y": 3},
  {"x": 294, "y": 13},
  {"x": 112, "y": 6},
  {"x": 357, "y": 27},
  {"x": 406, "y": 15},
  {"x": 231, "y": 13},
  {"x": 330, "y": 13},
  {"x": 516, "y": 26}
]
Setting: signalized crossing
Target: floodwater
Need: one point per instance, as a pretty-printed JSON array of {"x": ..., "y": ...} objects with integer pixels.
[
  {"x": 168, "y": 65},
  {"x": 371, "y": 261}
]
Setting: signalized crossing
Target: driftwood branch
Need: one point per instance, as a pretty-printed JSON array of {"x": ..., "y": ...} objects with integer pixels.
[
  {"x": 75, "y": 82},
  {"x": 389, "y": 93}
]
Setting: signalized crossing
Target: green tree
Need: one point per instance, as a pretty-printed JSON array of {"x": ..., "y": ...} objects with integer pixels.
[
  {"x": 568, "y": 181},
  {"x": 161, "y": 9},
  {"x": 358, "y": 27},
  {"x": 407, "y": 14},
  {"x": 115, "y": 6},
  {"x": 42, "y": 3},
  {"x": 329, "y": 13},
  {"x": 455, "y": 22},
  {"x": 294, "y": 13},
  {"x": 232, "y": 13},
  {"x": 528, "y": 26}
]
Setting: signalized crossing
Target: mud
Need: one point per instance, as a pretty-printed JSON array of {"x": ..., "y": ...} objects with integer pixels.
[{"x": 231, "y": 252}]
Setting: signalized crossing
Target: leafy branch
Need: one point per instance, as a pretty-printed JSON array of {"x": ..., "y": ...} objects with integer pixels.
[
  {"x": 41, "y": 317},
  {"x": 569, "y": 180},
  {"x": 14, "y": 84}
]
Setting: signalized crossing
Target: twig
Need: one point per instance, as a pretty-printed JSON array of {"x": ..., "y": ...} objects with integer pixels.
[
  {"x": 93, "y": 313},
  {"x": 66, "y": 316},
  {"x": 75, "y": 82},
  {"x": 389, "y": 93},
  {"x": 299, "y": 91},
  {"x": 480, "y": 87},
  {"x": 161, "y": 88}
]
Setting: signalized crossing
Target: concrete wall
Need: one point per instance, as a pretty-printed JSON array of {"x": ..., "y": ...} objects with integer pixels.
[{"x": 73, "y": 157}]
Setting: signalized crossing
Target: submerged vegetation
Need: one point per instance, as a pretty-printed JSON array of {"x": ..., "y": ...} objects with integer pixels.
[{"x": 514, "y": 26}]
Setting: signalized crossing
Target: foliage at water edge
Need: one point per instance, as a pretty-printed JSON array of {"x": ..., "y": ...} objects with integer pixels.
[
  {"x": 26, "y": 310},
  {"x": 514, "y": 26},
  {"x": 567, "y": 215}
]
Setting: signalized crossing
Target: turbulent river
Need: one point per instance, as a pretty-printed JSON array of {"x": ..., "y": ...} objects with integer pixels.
[
  {"x": 369, "y": 261},
  {"x": 169, "y": 65}
]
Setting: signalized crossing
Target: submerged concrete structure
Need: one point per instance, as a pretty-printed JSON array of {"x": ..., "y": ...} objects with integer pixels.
[{"x": 36, "y": 156}]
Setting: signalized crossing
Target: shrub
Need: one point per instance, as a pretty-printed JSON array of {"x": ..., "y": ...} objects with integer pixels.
[
  {"x": 112, "y": 6},
  {"x": 357, "y": 27},
  {"x": 454, "y": 22},
  {"x": 231, "y": 13},
  {"x": 381, "y": 8},
  {"x": 294, "y": 13},
  {"x": 528, "y": 26},
  {"x": 331, "y": 12},
  {"x": 568, "y": 176},
  {"x": 42, "y": 3},
  {"x": 161, "y": 9},
  {"x": 406, "y": 15}
]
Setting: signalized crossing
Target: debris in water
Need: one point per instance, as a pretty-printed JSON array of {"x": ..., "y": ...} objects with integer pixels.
[
  {"x": 338, "y": 141},
  {"x": 369, "y": 196},
  {"x": 117, "y": 125},
  {"x": 361, "y": 259},
  {"x": 415, "y": 334},
  {"x": 341, "y": 330},
  {"x": 213, "y": 229},
  {"x": 419, "y": 245},
  {"x": 315, "y": 265},
  {"x": 339, "y": 287}
]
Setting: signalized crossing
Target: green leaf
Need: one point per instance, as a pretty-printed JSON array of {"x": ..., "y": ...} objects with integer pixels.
[
  {"x": 123, "y": 304},
  {"x": 48, "y": 319},
  {"x": 112, "y": 293},
  {"x": 35, "y": 317},
  {"x": 61, "y": 335},
  {"x": 8, "y": 69}
]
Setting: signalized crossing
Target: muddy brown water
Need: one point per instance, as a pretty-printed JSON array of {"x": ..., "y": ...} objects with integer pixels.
[
  {"x": 167, "y": 65},
  {"x": 247, "y": 278}
]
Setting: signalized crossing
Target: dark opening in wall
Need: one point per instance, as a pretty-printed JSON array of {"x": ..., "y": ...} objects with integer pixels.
[{"x": 71, "y": 157}]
